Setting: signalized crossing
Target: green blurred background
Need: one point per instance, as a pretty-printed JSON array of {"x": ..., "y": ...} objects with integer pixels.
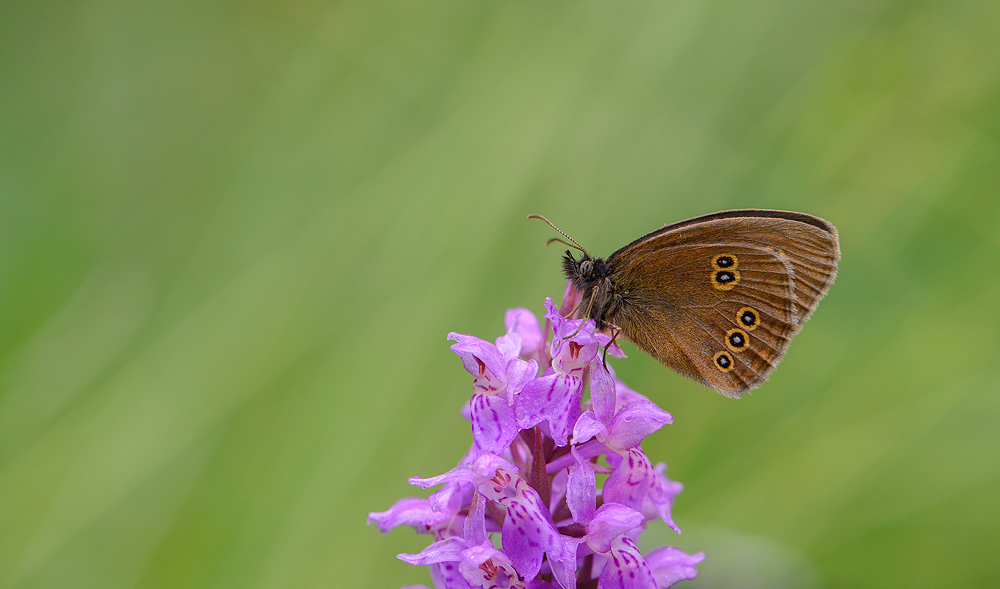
[{"x": 234, "y": 235}]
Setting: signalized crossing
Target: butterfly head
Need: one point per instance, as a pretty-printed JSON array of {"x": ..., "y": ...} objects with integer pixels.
[{"x": 586, "y": 271}]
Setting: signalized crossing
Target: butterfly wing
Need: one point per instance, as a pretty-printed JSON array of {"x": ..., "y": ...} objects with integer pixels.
[{"x": 718, "y": 298}]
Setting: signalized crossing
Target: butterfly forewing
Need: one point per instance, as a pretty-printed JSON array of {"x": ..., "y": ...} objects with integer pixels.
[{"x": 810, "y": 245}]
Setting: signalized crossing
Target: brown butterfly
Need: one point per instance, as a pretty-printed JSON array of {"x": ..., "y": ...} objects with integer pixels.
[{"x": 716, "y": 298}]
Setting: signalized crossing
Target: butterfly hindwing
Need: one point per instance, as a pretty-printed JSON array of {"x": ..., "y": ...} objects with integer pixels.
[{"x": 728, "y": 310}]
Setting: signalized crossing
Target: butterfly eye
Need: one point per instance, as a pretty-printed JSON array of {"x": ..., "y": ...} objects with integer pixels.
[
  {"x": 723, "y": 361},
  {"x": 725, "y": 279},
  {"x": 748, "y": 318},
  {"x": 586, "y": 267},
  {"x": 737, "y": 340},
  {"x": 724, "y": 261}
]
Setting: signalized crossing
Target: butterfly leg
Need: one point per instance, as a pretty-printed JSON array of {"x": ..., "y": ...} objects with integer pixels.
[{"x": 614, "y": 336}]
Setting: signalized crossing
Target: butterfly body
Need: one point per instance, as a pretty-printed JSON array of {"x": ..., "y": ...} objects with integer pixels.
[{"x": 716, "y": 298}]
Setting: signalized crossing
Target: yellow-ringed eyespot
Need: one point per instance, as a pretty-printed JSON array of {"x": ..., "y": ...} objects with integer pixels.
[
  {"x": 725, "y": 262},
  {"x": 725, "y": 279},
  {"x": 723, "y": 361},
  {"x": 748, "y": 317},
  {"x": 737, "y": 339}
]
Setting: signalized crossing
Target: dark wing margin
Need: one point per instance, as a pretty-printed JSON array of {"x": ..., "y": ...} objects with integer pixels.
[{"x": 738, "y": 214}]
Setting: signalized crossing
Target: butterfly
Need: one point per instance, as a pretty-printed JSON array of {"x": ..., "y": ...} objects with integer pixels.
[{"x": 716, "y": 298}]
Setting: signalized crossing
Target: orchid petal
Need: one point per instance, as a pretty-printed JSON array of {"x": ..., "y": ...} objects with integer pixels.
[
  {"x": 410, "y": 511},
  {"x": 478, "y": 355},
  {"x": 602, "y": 391},
  {"x": 633, "y": 423},
  {"x": 581, "y": 489},
  {"x": 447, "y": 550},
  {"x": 524, "y": 323},
  {"x": 553, "y": 398},
  {"x": 494, "y": 423},
  {"x": 611, "y": 521},
  {"x": 671, "y": 565},
  {"x": 461, "y": 473}
]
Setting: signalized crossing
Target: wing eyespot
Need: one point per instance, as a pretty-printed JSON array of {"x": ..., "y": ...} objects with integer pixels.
[
  {"x": 725, "y": 279},
  {"x": 737, "y": 340},
  {"x": 723, "y": 361},
  {"x": 725, "y": 262},
  {"x": 748, "y": 317}
]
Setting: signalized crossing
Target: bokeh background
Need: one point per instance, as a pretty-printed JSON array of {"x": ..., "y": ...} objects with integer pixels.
[{"x": 234, "y": 235}]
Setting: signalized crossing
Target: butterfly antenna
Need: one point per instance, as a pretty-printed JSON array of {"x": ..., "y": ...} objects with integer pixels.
[{"x": 573, "y": 245}]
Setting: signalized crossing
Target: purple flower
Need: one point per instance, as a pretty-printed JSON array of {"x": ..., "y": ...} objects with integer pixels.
[
  {"x": 531, "y": 473},
  {"x": 499, "y": 376}
]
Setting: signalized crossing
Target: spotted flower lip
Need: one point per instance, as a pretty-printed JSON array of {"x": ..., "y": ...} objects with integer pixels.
[
  {"x": 522, "y": 508},
  {"x": 499, "y": 375}
]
